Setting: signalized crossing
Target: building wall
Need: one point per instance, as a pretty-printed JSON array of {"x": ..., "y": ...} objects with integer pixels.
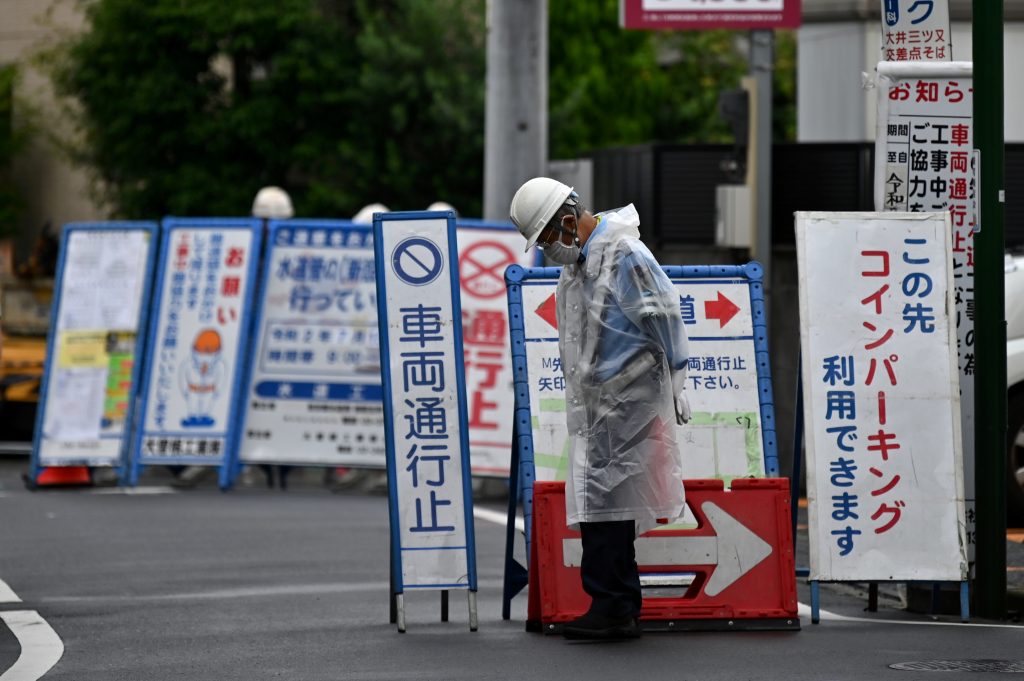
[{"x": 55, "y": 192}]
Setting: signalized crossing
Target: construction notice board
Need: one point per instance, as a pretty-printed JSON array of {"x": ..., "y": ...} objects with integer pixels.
[
  {"x": 198, "y": 335},
  {"x": 925, "y": 161},
  {"x": 89, "y": 383},
  {"x": 731, "y": 433},
  {"x": 424, "y": 401},
  {"x": 314, "y": 393},
  {"x": 881, "y": 405}
]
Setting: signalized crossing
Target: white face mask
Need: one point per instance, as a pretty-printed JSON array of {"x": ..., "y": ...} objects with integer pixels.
[{"x": 563, "y": 255}]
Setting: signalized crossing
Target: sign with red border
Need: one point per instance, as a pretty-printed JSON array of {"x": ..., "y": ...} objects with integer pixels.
[{"x": 703, "y": 14}]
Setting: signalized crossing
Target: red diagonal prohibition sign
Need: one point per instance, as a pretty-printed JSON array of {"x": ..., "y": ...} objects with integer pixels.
[{"x": 482, "y": 269}]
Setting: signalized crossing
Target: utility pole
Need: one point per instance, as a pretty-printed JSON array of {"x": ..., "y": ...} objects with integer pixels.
[
  {"x": 990, "y": 322},
  {"x": 762, "y": 64},
  {"x": 516, "y": 122}
]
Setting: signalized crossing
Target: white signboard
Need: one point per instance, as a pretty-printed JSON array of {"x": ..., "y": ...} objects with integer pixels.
[
  {"x": 916, "y": 30},
  {"x": 91, "y": 359},
  {"x": 881, "y": 402},
  {"x": 484, "y": 253},
  {"x": 924, "y": 161},
  {"x": 196, "y": 342},
  {"x": 723, "y": 439},
  {"x": 314, "y": 394},
  {"x": 424, "y": 401}
]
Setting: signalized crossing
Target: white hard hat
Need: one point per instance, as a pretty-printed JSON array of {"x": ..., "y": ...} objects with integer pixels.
[
  {"x": 535, "y": 204},
  {"x": 441, "y": 205},
  {"x": 365, "y": 214},
  {"x": 272, "y": 203}
]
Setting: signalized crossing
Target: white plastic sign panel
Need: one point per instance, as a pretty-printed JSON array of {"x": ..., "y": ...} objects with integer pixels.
[
  {"x": 881, "y": 402},
  {"x": 314, "y": 393},
  {"x": 723, "y": 439},
  {"x": 424, "y": 401},
  {"x": 485, "y": 250},
  {"x": 916, "y": 30},
  {"x": 92, "y": 358},
  {"x": 197, "y": 340},
  {"x": 924, "y": 162}
]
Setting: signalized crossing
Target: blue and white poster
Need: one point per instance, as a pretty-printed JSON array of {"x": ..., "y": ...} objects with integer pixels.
[
  {"x": 95, "y": 341},
  {"x": 197, "y": 341},
  {"x": 314, "y": 395},
  {"x": 424, "y": 401}
]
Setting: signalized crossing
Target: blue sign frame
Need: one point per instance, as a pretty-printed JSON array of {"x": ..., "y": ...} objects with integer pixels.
[
  {"x": 523, "y": 472},
  {"x": 150, "y": 228},
  {"x": 225, "y": 464},
  {"x": 379, "y": 222}
]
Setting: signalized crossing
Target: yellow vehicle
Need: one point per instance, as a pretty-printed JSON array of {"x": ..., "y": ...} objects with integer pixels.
[{"x": 25, "y": 306}]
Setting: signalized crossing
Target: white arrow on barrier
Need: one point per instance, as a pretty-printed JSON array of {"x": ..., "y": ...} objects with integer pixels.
[{"x": 733, "y": 550}]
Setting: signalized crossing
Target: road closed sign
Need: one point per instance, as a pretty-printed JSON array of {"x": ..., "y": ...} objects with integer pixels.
[
  {"x": 424, "y": 403},
  {"x": 485, "y": 251}
]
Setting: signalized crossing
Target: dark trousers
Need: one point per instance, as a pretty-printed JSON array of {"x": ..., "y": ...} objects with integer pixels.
[{"x": 608, "y": 568}]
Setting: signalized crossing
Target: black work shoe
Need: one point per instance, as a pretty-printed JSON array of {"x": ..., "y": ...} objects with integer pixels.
[{"x": 596, "y": 626}]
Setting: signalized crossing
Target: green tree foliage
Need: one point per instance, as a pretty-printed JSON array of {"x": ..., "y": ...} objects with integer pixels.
[
  {"x": 615, "y": 87},
  {"x": 189, "y": 108},
  {"x": 10, "y": 141}
]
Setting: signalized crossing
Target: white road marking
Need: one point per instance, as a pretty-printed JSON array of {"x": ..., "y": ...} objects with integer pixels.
[
  {"x": 497, "y": 518},
  {"x": 243, "y": 592},
  {"x": 41, "y": 648},
  {"x": 140, "y": 491},
  {"x": 7, "y": 594},
  {"x": 805, "y": 611}
]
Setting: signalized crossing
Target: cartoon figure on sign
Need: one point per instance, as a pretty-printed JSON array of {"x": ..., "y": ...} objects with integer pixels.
[{"x": 200, "y": 378}]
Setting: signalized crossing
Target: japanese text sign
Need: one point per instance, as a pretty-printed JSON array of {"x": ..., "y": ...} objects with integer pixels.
[
  {"x": 731, "y": 432},
  {"x": 424, "y": 400},
  {"x": 690, "y": 14},
  {"x": 197, "y": 340},
  {"x": 91, "y": 368},
  {"x": 485, "y": 250},
  {"x": 314, "y": 393},
  {"x": 881, "y": 400},
  {"x": 916, "y": 30},
  {"x": 925, "y": 161}
]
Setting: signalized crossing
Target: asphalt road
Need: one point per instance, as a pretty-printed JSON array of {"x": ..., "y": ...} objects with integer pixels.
[{"x": 266, "y": 584}]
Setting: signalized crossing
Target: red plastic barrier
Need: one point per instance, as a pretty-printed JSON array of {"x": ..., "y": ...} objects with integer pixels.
[
  {"x": 741, "y": 556},
  {"x": 63, "y": 475}
]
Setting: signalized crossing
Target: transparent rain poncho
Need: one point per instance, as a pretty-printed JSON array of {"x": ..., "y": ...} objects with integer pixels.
[{"x": 621, "y": 337}]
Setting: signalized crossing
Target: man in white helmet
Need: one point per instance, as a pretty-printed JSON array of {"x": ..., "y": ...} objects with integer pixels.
[{"x": 624, "y": 354}]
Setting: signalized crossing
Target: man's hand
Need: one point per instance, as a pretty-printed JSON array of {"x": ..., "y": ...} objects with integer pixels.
[{"x": 682, "y": 405}]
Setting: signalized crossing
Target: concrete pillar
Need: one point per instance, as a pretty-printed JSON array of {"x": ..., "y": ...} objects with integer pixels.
[{"x": 516, "y": 124}]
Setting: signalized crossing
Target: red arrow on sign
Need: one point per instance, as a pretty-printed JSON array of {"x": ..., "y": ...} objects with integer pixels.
[
  {"x": 546, "y": 311},
  {"x": 722, "y": 309}
]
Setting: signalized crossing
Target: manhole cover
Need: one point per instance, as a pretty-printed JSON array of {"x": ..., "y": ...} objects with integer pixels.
[{"x": 1010, "y": 666}]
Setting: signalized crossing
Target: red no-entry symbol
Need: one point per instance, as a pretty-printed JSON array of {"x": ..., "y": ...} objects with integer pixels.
[{"x": 482, "y": 269}]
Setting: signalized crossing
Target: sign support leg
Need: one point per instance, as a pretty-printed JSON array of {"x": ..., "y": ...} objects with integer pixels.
[
  {"x": 815, "y": 602},
  {"x": 873, "y": 597},
  {"x": 392, "y": 595},
  {"x": 516, "y": 576},
  {"x": 400, "y": 607},
  {"x": 965, "y": 607},
  {"x": 473, "y": 621},
  {"x": 444, "y": 605}
]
